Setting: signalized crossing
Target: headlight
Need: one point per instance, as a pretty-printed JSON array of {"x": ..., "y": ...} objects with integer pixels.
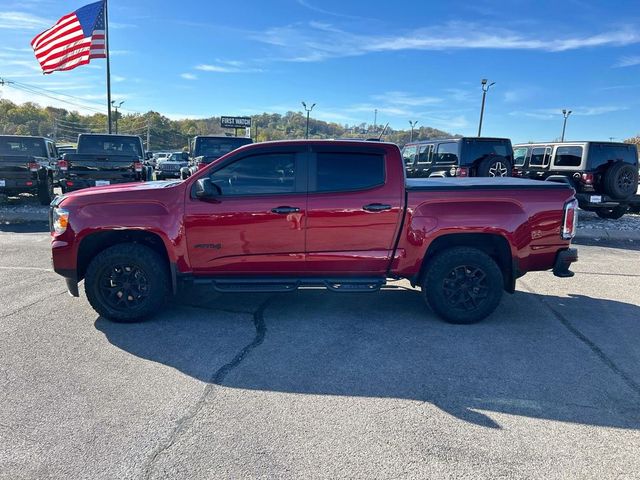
[{"x": 60, "y": 220}]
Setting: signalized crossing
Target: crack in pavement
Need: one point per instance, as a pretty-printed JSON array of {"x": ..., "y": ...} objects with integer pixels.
[
  {"x": 32, "y": 304},
  {"x": 216, "y": 379},
  {"x": 604, "y": 358}
]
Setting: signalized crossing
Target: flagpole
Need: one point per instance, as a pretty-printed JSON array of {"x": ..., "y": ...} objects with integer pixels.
[{"x": 106, "y": 44}]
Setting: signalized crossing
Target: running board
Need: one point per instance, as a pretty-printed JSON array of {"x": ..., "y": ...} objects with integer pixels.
[{"x": 275, "y": 284}]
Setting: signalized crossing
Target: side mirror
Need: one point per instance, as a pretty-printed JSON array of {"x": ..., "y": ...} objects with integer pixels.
[{"x": 204, "y": 189}]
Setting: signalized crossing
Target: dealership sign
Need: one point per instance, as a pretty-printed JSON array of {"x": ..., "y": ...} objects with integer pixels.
[{"x": 235, "y": 122}]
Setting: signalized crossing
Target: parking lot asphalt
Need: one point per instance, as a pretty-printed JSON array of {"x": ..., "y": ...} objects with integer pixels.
[{"x": 315, "y": 384}]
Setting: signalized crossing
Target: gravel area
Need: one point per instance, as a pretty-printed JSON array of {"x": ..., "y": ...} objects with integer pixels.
[
  {"x": 591, "y": 221},
  {"x": 22, "y": 208}
]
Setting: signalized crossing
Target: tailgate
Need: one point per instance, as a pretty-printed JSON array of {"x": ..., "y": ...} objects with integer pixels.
[
  {"x": 96, "y": 169},
  {"x": 14, "y": 170}
]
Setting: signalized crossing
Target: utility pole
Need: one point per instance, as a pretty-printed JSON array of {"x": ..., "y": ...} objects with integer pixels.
[
  {"x": 308, "y": 112},
  {"x": 413, "y": 125},
  {"x": 113, "y": 102},
  {"x": 55, "y": 130},
  {"x": 565, "y": 114},
  {"x": 375, "y": 120},
  {"x": 148, "y": 135},
  {"x": 485, "y": 89}
]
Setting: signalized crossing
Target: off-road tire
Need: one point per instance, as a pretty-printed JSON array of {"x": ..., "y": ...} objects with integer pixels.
[
  {"x": 621, "y": 180},
  {"x": 612, "y": 213},
  {"x": 495, "y": 166},
  {"x": 447, "y": 272},
  {"x": 104, "y": 267},
  {"x": 45, "y": 190}
]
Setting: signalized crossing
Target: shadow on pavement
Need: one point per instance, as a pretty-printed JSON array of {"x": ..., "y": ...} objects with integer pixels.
[
  {"x": 521, "y": 361},
  {"x": 27, "y": 227}
]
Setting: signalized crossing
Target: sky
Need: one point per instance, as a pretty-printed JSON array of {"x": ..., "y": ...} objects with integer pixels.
[{"x": 418, "y": 60}]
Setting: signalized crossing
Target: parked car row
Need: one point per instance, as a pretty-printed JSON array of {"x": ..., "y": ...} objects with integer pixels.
[{"x": 604, "y": 174}]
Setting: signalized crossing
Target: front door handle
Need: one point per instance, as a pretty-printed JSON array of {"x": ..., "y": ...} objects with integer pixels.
[
  {"x": 285, "y": 210},
  {"x": 376, "y": 207}
]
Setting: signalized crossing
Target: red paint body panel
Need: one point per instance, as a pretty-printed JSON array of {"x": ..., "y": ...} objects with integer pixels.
[{"x": 331, "y": 234}]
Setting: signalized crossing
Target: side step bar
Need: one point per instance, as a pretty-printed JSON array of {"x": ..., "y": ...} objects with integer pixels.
[{"x": 276, "y": 284}]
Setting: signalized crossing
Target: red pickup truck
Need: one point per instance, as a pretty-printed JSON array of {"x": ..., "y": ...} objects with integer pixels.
[{"x": 337, "y": 214}]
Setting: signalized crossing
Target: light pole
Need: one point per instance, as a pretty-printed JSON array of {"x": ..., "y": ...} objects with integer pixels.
[
  {"x": 565, "y": 114},
  {"x": 116, "y": 107},
  {"x": 308, "y": 110},
  {"x": 485, "y": 89},
  {"x": 413, "y": 125}
]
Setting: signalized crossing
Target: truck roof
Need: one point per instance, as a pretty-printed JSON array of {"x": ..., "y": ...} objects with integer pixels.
[{"x": 456, "y": 139}]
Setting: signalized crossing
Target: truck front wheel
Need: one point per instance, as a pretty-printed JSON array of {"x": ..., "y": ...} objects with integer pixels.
[
  {"x": 463, "y": 285},
  {"x": 127, "y": 282}
]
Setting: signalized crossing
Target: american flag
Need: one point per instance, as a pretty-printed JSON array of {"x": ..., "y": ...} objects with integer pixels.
[{"x": 73, "y": 41}]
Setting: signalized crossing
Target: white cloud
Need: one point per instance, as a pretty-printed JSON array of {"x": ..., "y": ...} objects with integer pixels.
[
  {"x": 23, "y": 21},
  {"x": 315, "y": 41},
  {"x": 628, "y": 61},
  {"x": 226, "y": 68},
  {"x": 406, "y": 99},
  {"x": 118, "y": 78},
  {"x": 189, "y": 76},
  {"x": 583, "y": 111}
]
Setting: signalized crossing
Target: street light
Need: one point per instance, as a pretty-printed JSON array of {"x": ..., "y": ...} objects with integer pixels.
[
  {"x": 413, "y": 125},
  {"x": 485, "y": 89},
  {"x": 308, "y": 110},
  {"x": 116, "y": 107},
  {"x": 565, "y": 114}
]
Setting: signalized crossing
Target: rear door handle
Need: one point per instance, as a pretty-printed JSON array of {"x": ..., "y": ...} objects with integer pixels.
[
  {"x": 376, "y": 207},
  {"x": 285, "y": 210}
]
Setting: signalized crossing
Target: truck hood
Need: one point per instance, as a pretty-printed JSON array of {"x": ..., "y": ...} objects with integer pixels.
[{"x": 121, "y": 190}]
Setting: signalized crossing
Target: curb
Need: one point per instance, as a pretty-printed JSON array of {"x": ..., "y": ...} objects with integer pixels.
[{"x": 602, "y": 234}]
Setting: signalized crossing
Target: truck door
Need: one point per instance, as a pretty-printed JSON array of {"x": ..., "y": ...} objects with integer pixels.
[
  {"x": 257, "y": 222},
  {"x": 354, "y": 208}
]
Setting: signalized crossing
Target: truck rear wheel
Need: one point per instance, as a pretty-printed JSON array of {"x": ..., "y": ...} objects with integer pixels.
[
  {"x": 127, "y": 282},
  {"x": 463, "y": 285},
  {"x": 45, "y": 190}
]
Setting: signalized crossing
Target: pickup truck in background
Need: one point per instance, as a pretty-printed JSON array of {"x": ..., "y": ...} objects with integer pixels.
[
  {"x": 103, "y": 159},
  {"x": 276, "y": 216},
  {"x": 28, "y": 165},
  {"x": 205, "y": 149}
]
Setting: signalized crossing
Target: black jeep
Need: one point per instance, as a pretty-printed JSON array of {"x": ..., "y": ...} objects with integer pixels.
[
  {"x": 604, "y": 174},
  {"x": 28, "y": 165},
  {"x": 459, "y": 157}
]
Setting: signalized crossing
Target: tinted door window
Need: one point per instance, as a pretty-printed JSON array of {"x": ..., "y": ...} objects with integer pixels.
[
  {"x": 424, "y": 154},
  {"x": 568, "y": 157},
  {"x": 257, "y": 175},
  {"x": 409, "y": 154},
  {"x": 539, "y": 157},
  {"x": 520, "y": 156},
  {"x": 447, "y": 153},
  {"x": 348, "y": 171}
]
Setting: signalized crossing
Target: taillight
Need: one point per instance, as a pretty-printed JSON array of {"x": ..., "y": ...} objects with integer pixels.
[
  {"x": 33, "y": 166},
  {"x": 137, "y": 166},
  {"x": 63, "y": 165},
  {"x": 570, "y": 220},
  {"x": 587, "y": 178},
  {"x": 201, "y": 165},
  {"x": 69, "y": 184},
  {"x": 29, "y": 184},
  {"x": 462, "y": 172}
]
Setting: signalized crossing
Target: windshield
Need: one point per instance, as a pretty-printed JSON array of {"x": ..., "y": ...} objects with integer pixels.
[
  {"x": 177, "y": 157},
  {"x": 110, "y": 145},
  {"x": 475, "y": 149},
  {"x": 22, "y": 146},
  {"x": 217, "y": 147}
]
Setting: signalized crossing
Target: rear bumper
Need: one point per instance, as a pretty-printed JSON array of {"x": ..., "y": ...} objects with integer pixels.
[
  {"x": 597, "y": 200},
  {"x": 564, "y": 259},
  {"x": 168, "y": 173}
]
